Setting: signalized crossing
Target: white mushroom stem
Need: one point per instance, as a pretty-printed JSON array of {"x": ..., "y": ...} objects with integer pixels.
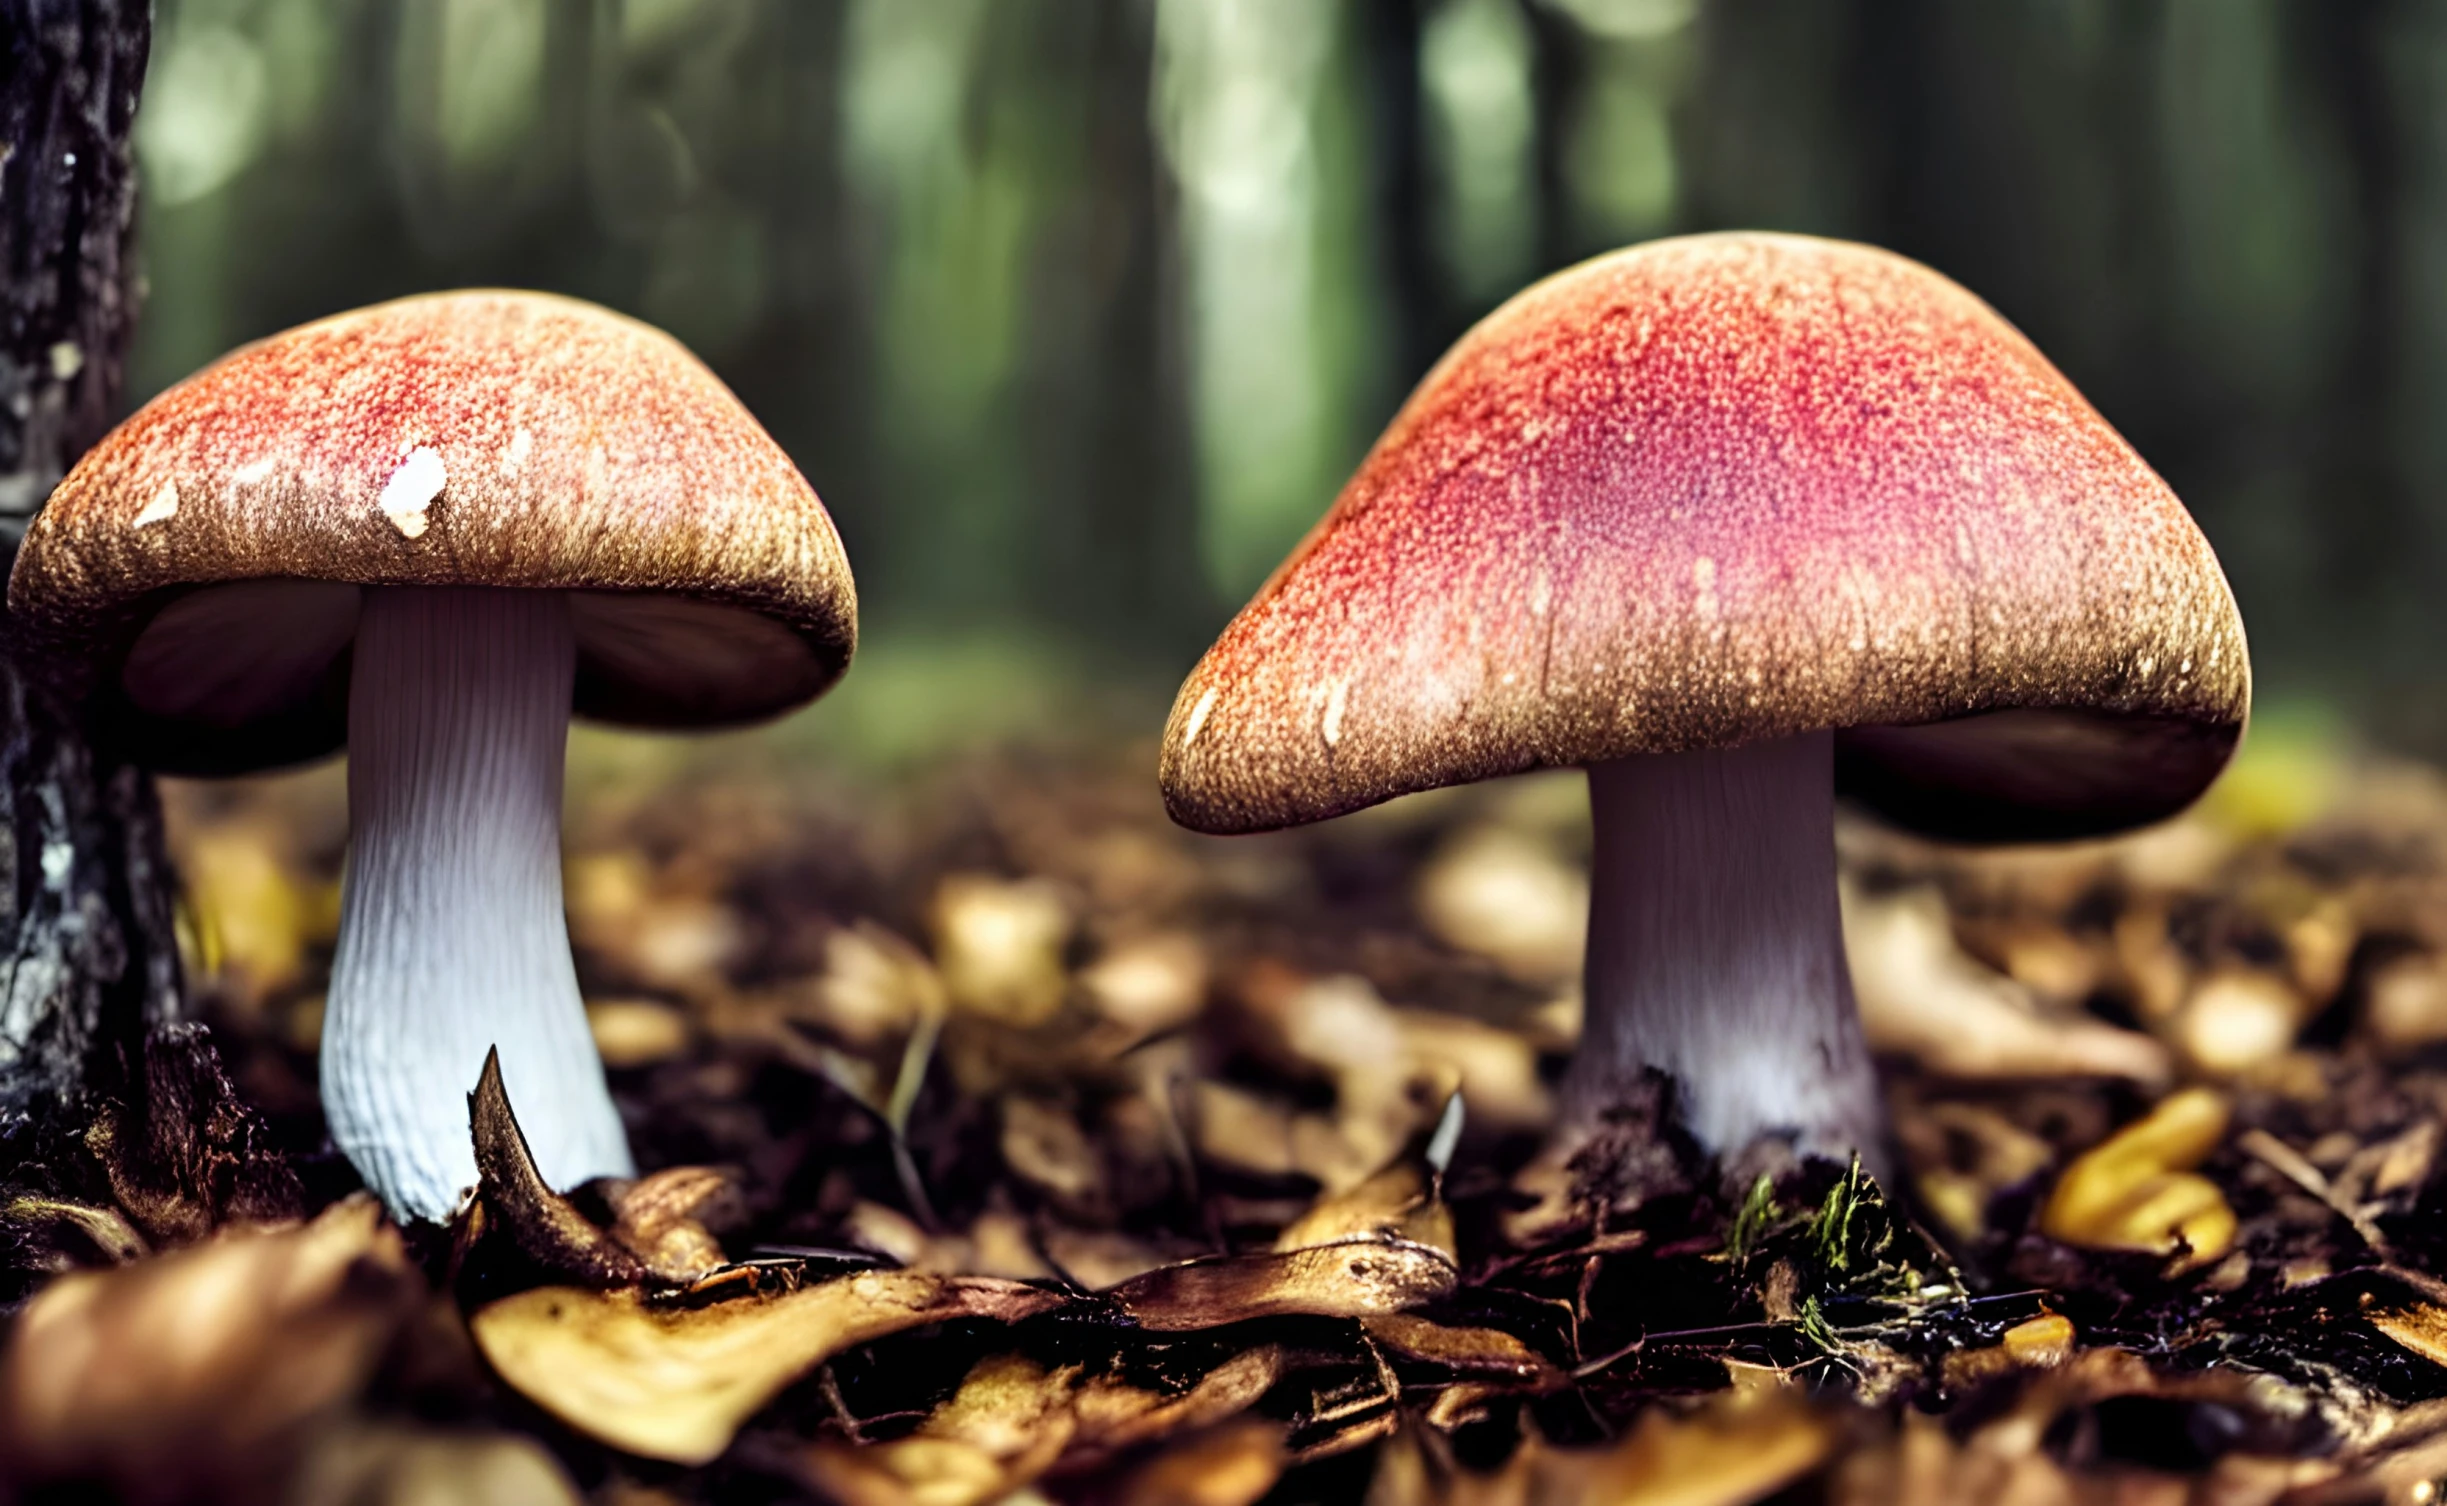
[
  {"x": 452, "y": 938},
  {"x": 1716, "y": 950}
]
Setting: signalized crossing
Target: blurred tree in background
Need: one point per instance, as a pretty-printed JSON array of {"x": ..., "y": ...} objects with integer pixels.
[{"x": 1077, "y": 313}]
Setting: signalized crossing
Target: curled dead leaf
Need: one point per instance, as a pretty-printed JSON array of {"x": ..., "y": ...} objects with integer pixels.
[
  {"x": 1485, "y": 1352},
  {"x": 657, "y": 1219},
  {"x": 2137, "y": 1191},
  {"x": 1352, "y": 1278},
  {"x": 542, "y": 1223},
  {"x": 676, "y": 1382}
]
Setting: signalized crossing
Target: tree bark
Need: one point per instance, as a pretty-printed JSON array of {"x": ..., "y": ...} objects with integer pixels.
[{"x": 92, "y": 967}]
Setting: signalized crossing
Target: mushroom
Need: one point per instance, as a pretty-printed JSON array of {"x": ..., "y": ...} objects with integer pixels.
[
  {"x": 432, "y": 529},
  {"x": 1735, "y": 523}
]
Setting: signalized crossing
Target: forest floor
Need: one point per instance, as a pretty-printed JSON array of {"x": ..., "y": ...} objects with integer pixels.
[{"x": 1005, "y": 1142}]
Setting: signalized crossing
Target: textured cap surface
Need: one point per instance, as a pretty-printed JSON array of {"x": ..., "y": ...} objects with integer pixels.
[
  {"x": 1725, "y": 488},
  {"x": 480, "y": 438}
]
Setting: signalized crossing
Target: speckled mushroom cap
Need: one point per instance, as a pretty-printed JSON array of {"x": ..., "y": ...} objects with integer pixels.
[
  {"x": 1725, "y": 488},
  {"x": 202, "y": 563}
]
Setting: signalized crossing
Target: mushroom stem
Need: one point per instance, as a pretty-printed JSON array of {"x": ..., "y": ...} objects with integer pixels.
[
  {"x": 1716, "y": 949},
  {"x": 452, "y": 939}
]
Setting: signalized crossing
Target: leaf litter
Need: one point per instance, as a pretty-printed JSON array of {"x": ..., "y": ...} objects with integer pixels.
[{"x": 1010, "y": 1144}]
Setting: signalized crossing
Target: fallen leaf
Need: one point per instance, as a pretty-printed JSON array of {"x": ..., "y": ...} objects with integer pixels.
[
  {"x": 999, "y": 945},
  {"x": 542, "y": 1223},
  {"x": 1353, "y": 1278},
  {"x": 1234, "y": 1465},
  {"x": 1464, "y": 1351},
  {"x": 675, "y": 1383},
  {"x": 1738, "y": 1446},
  {"x": 1922, "y": 996},
  {"x": 876, "y": 987},
  {"x": 2420, "y": 1328},
  {"x": 2136, "y": 1189},
  {"x": 1395, "y": 1203},
  {"x": 209, "y": 1366},
  {"x": 656, "y": 1218}
]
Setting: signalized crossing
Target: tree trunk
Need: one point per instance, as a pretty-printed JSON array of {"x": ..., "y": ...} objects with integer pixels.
[{"x": 84, "y": 908}]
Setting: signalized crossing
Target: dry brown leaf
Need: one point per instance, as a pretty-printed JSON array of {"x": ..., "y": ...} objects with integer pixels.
[
  {"x": 1738, "y": 1446},
  {"x": 1234, "y": 1465},
  {"x": 1464, "y": 1351},
  {"x": 208, "y": 1366},
  {"x": 656, "y": 1218},
  {"x": 1395, "y": 1203},
  {"x": 2040, "y": 1343},
  {"x": 541, "y": 1222},
  {"x": 1115, "y": 1416},
  {"x": 1496, "y": 1069},
  {"x": 1354, "y": 1278},
  {"x": 876, "y": 987},
  {"x": 1239, "y": 1129},
  {"x": 1043, "y": 1143},
  {"x": 1922, "y": 996},
  {"x": 999, "y": 945},
  {"x": 676, "y": 1382},
  {"x": 1012, "y": 1420},
  {"x": 2420, "y": 1327}
]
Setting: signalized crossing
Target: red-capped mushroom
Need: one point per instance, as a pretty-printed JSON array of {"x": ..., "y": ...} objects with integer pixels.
[
  {"x": 432, "y": 527},
  {"x": 1734, "y": 522}
]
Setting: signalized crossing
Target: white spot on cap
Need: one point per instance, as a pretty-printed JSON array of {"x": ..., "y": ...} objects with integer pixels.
[
  {"x": 1198, "y": 718},
  {"x": 253, "y": 471},
  {"x": 1334, "y": 699},
  {"x": 162, "y": 508},
  {"x": 411, "y": 490},
  {"x": 514, "y": 455}
]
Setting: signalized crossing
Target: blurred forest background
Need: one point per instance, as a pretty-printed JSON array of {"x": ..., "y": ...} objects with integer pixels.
[{"x": 1077, "y": 312}]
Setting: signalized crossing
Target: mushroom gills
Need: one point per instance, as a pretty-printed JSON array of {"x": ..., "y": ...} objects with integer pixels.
[
  {"x": 1716, "y": 950},
  {"x": 452, "y": 936},
  {"x": 236, "y": 653}
]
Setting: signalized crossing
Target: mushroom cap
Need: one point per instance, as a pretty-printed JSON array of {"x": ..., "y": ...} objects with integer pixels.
[
  {"x": 200, "y": 568},
  {"x": 1724, "y": 488}
]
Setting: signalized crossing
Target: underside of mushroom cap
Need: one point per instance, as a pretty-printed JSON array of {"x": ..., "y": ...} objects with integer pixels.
[
  {"x": 201, "y": 566},
  {"x": 1726, "y": 488}
]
